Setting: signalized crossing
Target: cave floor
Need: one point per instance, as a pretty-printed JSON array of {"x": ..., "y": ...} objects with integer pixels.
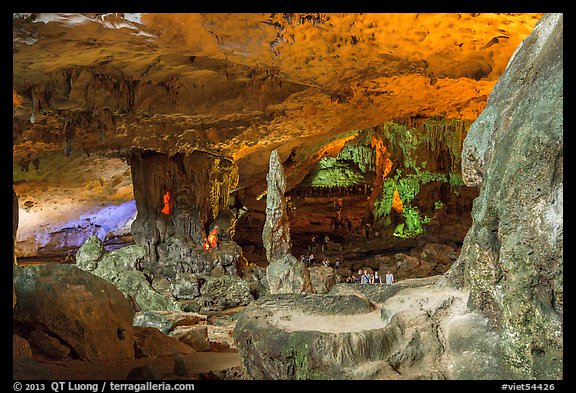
[{"x": 201, "y": 365}]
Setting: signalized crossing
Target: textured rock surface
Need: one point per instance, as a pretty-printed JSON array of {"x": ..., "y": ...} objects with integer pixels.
[
  {"x": 15, "y": 217},
  {"x": 196, "y": 337},
  {"x": 419, "y": 330},
  {"x": 150, "y": 342},
  {"x": 225, "y": 291},
  {"x": 323, "y": 278},
  {"x": 119, "y": 268},
  {"x": 166, "y": 321},
  {"x": 84, "y": 313},
  {"x": 285, "y": 273},
  {"x": 20, "y": 348},
  {"x": 298, "y": 83},
  {"x": 512, "y": 257},
  {"x": 173, "y": 232}
]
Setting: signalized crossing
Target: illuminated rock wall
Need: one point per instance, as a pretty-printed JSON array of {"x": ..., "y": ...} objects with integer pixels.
[{"x": 198, "y": 185}]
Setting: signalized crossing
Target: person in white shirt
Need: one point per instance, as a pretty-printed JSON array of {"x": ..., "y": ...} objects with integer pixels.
[{"x": 389, "y": 278}]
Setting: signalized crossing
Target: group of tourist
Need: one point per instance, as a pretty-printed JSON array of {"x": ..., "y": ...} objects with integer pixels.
[
  {"x": 309, "y": 259},
  {"x": 363, "y": 277}
]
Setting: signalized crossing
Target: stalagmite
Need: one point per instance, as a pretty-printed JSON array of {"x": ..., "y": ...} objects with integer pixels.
[{"x": 286, "y": 274}]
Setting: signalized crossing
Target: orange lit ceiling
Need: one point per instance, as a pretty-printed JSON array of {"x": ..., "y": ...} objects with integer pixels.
[{"x": 243, "y": 84}]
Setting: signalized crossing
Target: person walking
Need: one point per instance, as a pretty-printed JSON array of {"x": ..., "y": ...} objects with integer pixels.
[
  {"x": 376, "y": 278},
  {"x": 389, "y": 278}
]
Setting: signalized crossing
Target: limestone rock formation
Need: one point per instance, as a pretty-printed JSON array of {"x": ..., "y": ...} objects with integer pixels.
[
  {"x": 81, "y": 313},
  {"x": 323, "y": 278},
  {"x": 89, "y": 253},
  {"x": 225, "y": 291},
  {"x": 286, "y": 274},
  {"x": 15, "y": 212},
  {"x": 195, "y": 337},
  {"x": 119, "y": 267},
  {"x": 166, "y": 321},
  {"x": 20, "y": 348},
  {"x": 179, "y": 200},
  {"x": 257, "y": 281},
  {"x": 150, "y": 342},
  {"x": 417, "y": 329},
  {"x": 512, "y": 256}
]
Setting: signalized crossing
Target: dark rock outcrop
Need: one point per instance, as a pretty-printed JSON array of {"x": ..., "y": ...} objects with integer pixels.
[
  {"x": 286, "y": 274},
  {"x": 225, "y": 291},
  {"x": 512, "y": 256},
  {"x": 82, "y": 313}
]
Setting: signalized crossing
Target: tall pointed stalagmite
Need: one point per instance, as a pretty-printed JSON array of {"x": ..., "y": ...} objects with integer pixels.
[{"x": 286, "y": 274}]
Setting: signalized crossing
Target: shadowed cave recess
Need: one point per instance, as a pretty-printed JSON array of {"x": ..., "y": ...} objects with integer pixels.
[{"x": 187, "y": 166}]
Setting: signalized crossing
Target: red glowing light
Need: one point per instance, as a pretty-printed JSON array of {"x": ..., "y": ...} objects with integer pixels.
[{"x": 167, "y": 199}]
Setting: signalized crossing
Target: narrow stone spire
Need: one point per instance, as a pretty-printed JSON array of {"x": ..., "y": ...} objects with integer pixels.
[{"x": 286, "y": 274}]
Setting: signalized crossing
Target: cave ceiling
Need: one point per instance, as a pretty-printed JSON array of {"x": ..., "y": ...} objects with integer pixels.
[{"x": 241, "y": 85}]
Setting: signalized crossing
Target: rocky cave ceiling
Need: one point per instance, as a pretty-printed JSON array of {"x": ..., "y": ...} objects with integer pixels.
[{"x": 87, "y": 88}]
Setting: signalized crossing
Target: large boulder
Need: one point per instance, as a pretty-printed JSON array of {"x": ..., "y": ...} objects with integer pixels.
[
  {"x": 89, "y": 253},
  {"x": 166, "y": 321},
  {"x": 80, "y": 311},
  {"x": 512, "y": 257},
  {"x": 223, "y": 292},
  {"x": 257, "y": 281},
  {"x": 323, "y": 278},
  {"x": 195, "y": 336},
  {"x": 151, "y": 342}
]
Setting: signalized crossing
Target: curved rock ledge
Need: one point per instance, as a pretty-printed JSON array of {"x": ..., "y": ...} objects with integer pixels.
[{"x": 414, "y": 329}]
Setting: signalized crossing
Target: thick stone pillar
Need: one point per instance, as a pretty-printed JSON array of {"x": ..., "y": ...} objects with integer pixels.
[
  {"x": 179, "y": 200},
  {"x": 286, "y": 274}
]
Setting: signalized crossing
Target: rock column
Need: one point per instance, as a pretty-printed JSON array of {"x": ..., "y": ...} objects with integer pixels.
[
  {"x": 179, "y": 200},
  {"x": 286, "y": 274}
]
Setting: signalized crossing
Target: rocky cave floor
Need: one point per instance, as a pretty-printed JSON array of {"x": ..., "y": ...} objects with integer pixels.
[{"x": 428, "y": 255}]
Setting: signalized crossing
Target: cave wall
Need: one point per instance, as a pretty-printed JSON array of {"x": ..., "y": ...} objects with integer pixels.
[
  {"x": 199, "y": 184},
  {"x": 512, "y": 256}
]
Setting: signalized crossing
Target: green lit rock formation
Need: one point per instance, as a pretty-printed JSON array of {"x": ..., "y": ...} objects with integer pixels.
[{"x": 512, "y": 257}]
